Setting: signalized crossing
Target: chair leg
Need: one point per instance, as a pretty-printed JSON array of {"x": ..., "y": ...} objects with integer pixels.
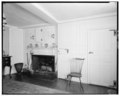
[
  {"x": 10, "y": 71},
  {"x": 68, "y": 80},
  {"x": 81, "y": 85}
]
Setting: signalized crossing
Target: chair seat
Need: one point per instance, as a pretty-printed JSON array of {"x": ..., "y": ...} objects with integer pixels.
[{"x": 73, "y": 74}]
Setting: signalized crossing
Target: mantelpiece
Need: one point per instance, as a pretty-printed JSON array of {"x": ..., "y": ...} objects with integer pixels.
[
  {"x": 40, "y": 41},
  {"x": 44, "y": 51}
]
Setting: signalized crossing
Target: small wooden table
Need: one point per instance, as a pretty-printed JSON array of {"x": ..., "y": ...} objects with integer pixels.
[{"x": 6, "y": 61}]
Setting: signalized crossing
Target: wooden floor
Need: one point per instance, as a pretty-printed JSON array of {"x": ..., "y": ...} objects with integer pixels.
[{"x": 61, "y": 84}]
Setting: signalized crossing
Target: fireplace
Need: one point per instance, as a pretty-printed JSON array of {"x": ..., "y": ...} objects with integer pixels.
[{"x": 41, "y": 63}]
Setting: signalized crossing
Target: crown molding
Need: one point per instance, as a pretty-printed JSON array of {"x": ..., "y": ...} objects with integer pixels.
[
  {"x": 11, "y": 26},
  {"x": 35, "y": 25},
  {"x": 90, "y": 17}
]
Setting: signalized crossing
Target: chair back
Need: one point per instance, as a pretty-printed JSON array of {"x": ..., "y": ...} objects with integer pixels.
[{"x": 76, "y": 65}]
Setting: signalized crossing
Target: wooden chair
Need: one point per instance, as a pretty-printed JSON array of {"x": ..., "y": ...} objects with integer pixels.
[{"x": 75, "y": 70}]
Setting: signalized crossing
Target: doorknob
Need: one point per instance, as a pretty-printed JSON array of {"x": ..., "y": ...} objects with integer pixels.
[{"x": 91, "y": 52}]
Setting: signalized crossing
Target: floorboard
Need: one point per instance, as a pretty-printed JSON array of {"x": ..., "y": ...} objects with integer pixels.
[{"x": 61, "y": 84}]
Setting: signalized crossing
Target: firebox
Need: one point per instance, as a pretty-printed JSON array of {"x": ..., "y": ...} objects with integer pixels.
[{"x": 43, "y": 63}]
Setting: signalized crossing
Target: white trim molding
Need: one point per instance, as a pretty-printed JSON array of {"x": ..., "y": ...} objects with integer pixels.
[{"x": 90, "y": 17}]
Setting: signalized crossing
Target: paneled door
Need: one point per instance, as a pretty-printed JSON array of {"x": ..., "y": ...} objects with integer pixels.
[{"x": 102, "y": 57}]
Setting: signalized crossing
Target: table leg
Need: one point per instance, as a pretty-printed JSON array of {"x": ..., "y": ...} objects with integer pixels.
[{"x": 3, "y": 68}]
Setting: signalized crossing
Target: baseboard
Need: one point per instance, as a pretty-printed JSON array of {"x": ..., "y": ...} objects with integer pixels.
[{"x": 104, "y": 86}]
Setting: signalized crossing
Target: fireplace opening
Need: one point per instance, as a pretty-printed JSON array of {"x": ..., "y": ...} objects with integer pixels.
[{"x": 43, "y": 63}]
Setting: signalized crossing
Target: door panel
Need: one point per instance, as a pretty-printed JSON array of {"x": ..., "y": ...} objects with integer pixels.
[{"x": 102, "y": 57}]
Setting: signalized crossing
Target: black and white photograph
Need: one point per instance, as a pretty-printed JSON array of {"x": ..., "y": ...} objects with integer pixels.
[{"x": 59, "y": 47}]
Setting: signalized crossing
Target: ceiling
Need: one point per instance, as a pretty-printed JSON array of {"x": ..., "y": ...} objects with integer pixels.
[
  {"x": 67, "y": 11},
  {"x": 18, "y": 16},
  {"x": 28, "y": 14}
]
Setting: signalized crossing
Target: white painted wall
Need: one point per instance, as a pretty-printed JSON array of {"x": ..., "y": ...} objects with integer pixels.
[
  {"x": 73, "y": 35},
  {"x": 6, "y": 40},
  {"x": 69, "y": 37},
  {"x": 66, "y": 40},
  {"x": 15, "y": 47},
  {"x": 27, "y": 34}
]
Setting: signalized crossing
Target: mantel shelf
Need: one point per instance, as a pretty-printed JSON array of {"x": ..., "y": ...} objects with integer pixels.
[{"x": 44, "y": 51}]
